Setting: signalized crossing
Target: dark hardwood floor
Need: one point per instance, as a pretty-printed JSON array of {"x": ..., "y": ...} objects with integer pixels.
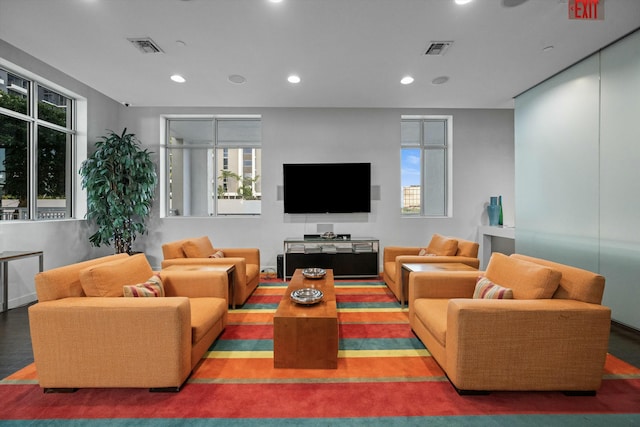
[{"x": 16, "y": 353}]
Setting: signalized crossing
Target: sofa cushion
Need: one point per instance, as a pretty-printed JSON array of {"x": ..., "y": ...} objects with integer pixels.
[
  {"x": 576, "y": 283},
  {"x": 432, "y": 313},
  {"x": 443, "y": 246},
  {"x": 107, "y": 279},
  {"x": 486, "y": 289},
  {"x": 205, "y": 312},
  {"x": 467, "y": 248},
  {"x": 528, "y": 280},
  {"x": 151, "y": 288},
  {"x": 198, "y": 248}
]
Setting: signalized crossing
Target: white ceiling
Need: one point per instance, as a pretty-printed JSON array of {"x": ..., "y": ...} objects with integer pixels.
[{"x": 349, "y": 53}]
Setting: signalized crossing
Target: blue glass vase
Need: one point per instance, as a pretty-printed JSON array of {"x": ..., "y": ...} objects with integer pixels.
[{"x": 493, "y": 210}]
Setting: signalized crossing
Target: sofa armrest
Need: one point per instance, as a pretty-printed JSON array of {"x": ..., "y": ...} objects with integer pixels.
[
  {"x": 196, "y": 283},
  {"x": 250, "y": 255},
  {"x": 391, "y": 252},
  {"x": 442, "y": 284},
  {"x": 511, "y": 344},
  {"x": 111, "y": 342}
]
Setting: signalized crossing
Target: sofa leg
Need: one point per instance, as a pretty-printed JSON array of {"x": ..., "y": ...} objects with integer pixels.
[
  {"x": 472, "y": 392},
  {"x": 164, "y": 389},
  {"x": 59, "y": 390},
  {"x": 579, "y": 393}
]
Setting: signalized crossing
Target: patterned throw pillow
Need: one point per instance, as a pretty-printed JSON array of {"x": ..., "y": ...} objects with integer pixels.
[
  {"x": 486, "y": 289},
  {"x": 425, "y": 252},
  {"x": 218, "y": 254},
  {"x": 151, "y": 288}
]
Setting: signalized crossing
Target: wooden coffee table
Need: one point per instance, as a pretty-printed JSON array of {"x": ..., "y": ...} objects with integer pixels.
[
  {"x": 427, "y": 266},
  {"x": 306, "y": 336}
]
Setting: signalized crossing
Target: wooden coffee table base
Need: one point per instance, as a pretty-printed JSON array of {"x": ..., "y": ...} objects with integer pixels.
[{"x": 306, "y": 337}]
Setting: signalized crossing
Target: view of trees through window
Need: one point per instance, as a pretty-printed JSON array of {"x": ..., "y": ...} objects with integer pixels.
[{"x": 51, "y": 143}]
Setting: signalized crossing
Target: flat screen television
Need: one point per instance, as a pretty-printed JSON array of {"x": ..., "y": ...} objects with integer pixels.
[{"x": 327, "y": 188}]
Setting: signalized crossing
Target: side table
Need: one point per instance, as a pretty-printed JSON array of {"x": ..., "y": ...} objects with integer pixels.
[{"x": 7, "y": 256}]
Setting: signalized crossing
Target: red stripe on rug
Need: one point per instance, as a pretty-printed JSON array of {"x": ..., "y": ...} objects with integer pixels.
[{"x": 307, "y": 401}]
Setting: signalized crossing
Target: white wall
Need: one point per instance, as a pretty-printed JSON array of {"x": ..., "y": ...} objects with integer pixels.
[{"x": 483, "y": 166}]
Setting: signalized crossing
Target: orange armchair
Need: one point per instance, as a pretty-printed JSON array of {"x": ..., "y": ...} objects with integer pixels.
[
  {"x": 441, "y": 249},
  {"x": 200, "y": 251}
]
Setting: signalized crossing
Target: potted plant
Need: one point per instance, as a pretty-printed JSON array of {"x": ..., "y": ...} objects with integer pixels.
[{"x": 120, "y": 180}]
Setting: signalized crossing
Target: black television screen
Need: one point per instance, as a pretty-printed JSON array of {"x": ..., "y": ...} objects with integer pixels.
[{"x": 327, "y": 187}]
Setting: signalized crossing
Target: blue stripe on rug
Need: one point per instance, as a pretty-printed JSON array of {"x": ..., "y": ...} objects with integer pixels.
[
  {"x": 528, "y": 420},
  {"x": 345, "y": 344}
]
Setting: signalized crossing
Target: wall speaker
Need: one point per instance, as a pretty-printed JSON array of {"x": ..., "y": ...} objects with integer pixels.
[
  {"x": 375, "y": 192},
  {"x": 280, "y": 192}
]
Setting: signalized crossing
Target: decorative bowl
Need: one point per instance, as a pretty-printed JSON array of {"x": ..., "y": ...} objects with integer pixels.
[
  {"x": 314, "y": 273},
  {"x": 329, "y": 235},
  {"x": 307, "y": 296}
]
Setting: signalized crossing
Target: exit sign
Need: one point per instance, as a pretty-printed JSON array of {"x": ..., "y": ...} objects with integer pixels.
[{"x": 588, "y": 10}]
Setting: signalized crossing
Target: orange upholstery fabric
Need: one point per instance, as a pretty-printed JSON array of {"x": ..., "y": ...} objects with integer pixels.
[
  {"x": 394, "y": 256},
  {"x": 527, "y": 280},
  {"x": 198, "y": 248},
  {"x": 443, "y": 246},
  {"x": 107, "y": 279},
  {"x": 554, "y": 343},
  {"x": 246, "y": 276},
  {"x": 89, "y": 342}
]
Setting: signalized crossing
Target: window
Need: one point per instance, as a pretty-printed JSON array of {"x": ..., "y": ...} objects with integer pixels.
[
  {"x": 425, "y": 165},
  {"x": 36, "y": 150},
  {"x": 212, "y": 166}
]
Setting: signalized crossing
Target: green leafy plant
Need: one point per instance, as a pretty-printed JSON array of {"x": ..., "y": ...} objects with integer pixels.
[
  {"x": 120, "y": 179},
  {"x": 244, "y": 188}
]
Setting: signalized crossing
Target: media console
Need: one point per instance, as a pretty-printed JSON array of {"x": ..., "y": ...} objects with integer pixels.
[{"x": 348, "y": 257}]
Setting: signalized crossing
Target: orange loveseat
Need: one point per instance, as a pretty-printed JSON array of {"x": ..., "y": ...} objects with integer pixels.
[
  {"x": 552, "y": 335},
  {"x": 86, "y": 334},
  {"x": 200, "y": 251},
  {"x": 440, "y": 249}
]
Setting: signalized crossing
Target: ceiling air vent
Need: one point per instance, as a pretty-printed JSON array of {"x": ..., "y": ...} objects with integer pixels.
[
  {"x": 146, "y": 45},
  {"x": 437, "y": 48}
]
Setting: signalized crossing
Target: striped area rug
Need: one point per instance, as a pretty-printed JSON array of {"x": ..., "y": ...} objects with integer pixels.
[{"x": 385, "y": 377}]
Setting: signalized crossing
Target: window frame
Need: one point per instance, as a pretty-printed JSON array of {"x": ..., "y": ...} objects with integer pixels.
[
  {"x": 423, "y": 147},
  {"x": 214, "y": 147},
  {"x": 34, "y": 124}
]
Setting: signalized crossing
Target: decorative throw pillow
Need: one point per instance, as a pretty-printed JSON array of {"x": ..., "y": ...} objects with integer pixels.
[
  {"x": 151, "y": 288},
  {"x": 486, "y": 289},
  {"x": 442, "y": 246},
  {"x": 218, "y": 254},
  {"x": 425, "y": 252}
]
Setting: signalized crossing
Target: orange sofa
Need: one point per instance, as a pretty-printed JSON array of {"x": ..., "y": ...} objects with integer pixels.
[
  {"x": 200, "y": 251},
  {"x": 85, "y": 333},
  {"x": 440, "y": 249},
  {"x": 551, "y": 335}
]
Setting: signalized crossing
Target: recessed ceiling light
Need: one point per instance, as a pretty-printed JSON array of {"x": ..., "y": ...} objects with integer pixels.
[
  {"x": 440, "y": 80},
  {"x": 275, "y": 1},
  {"x": 406, "y": 80},
  {"x": 547, "y": 48},
  {"x": 237, "y": 79},
  {"x": 178, "y": 78},
  {"x": 463, "y": 1},
  {"x": 293, "y": 79}
]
